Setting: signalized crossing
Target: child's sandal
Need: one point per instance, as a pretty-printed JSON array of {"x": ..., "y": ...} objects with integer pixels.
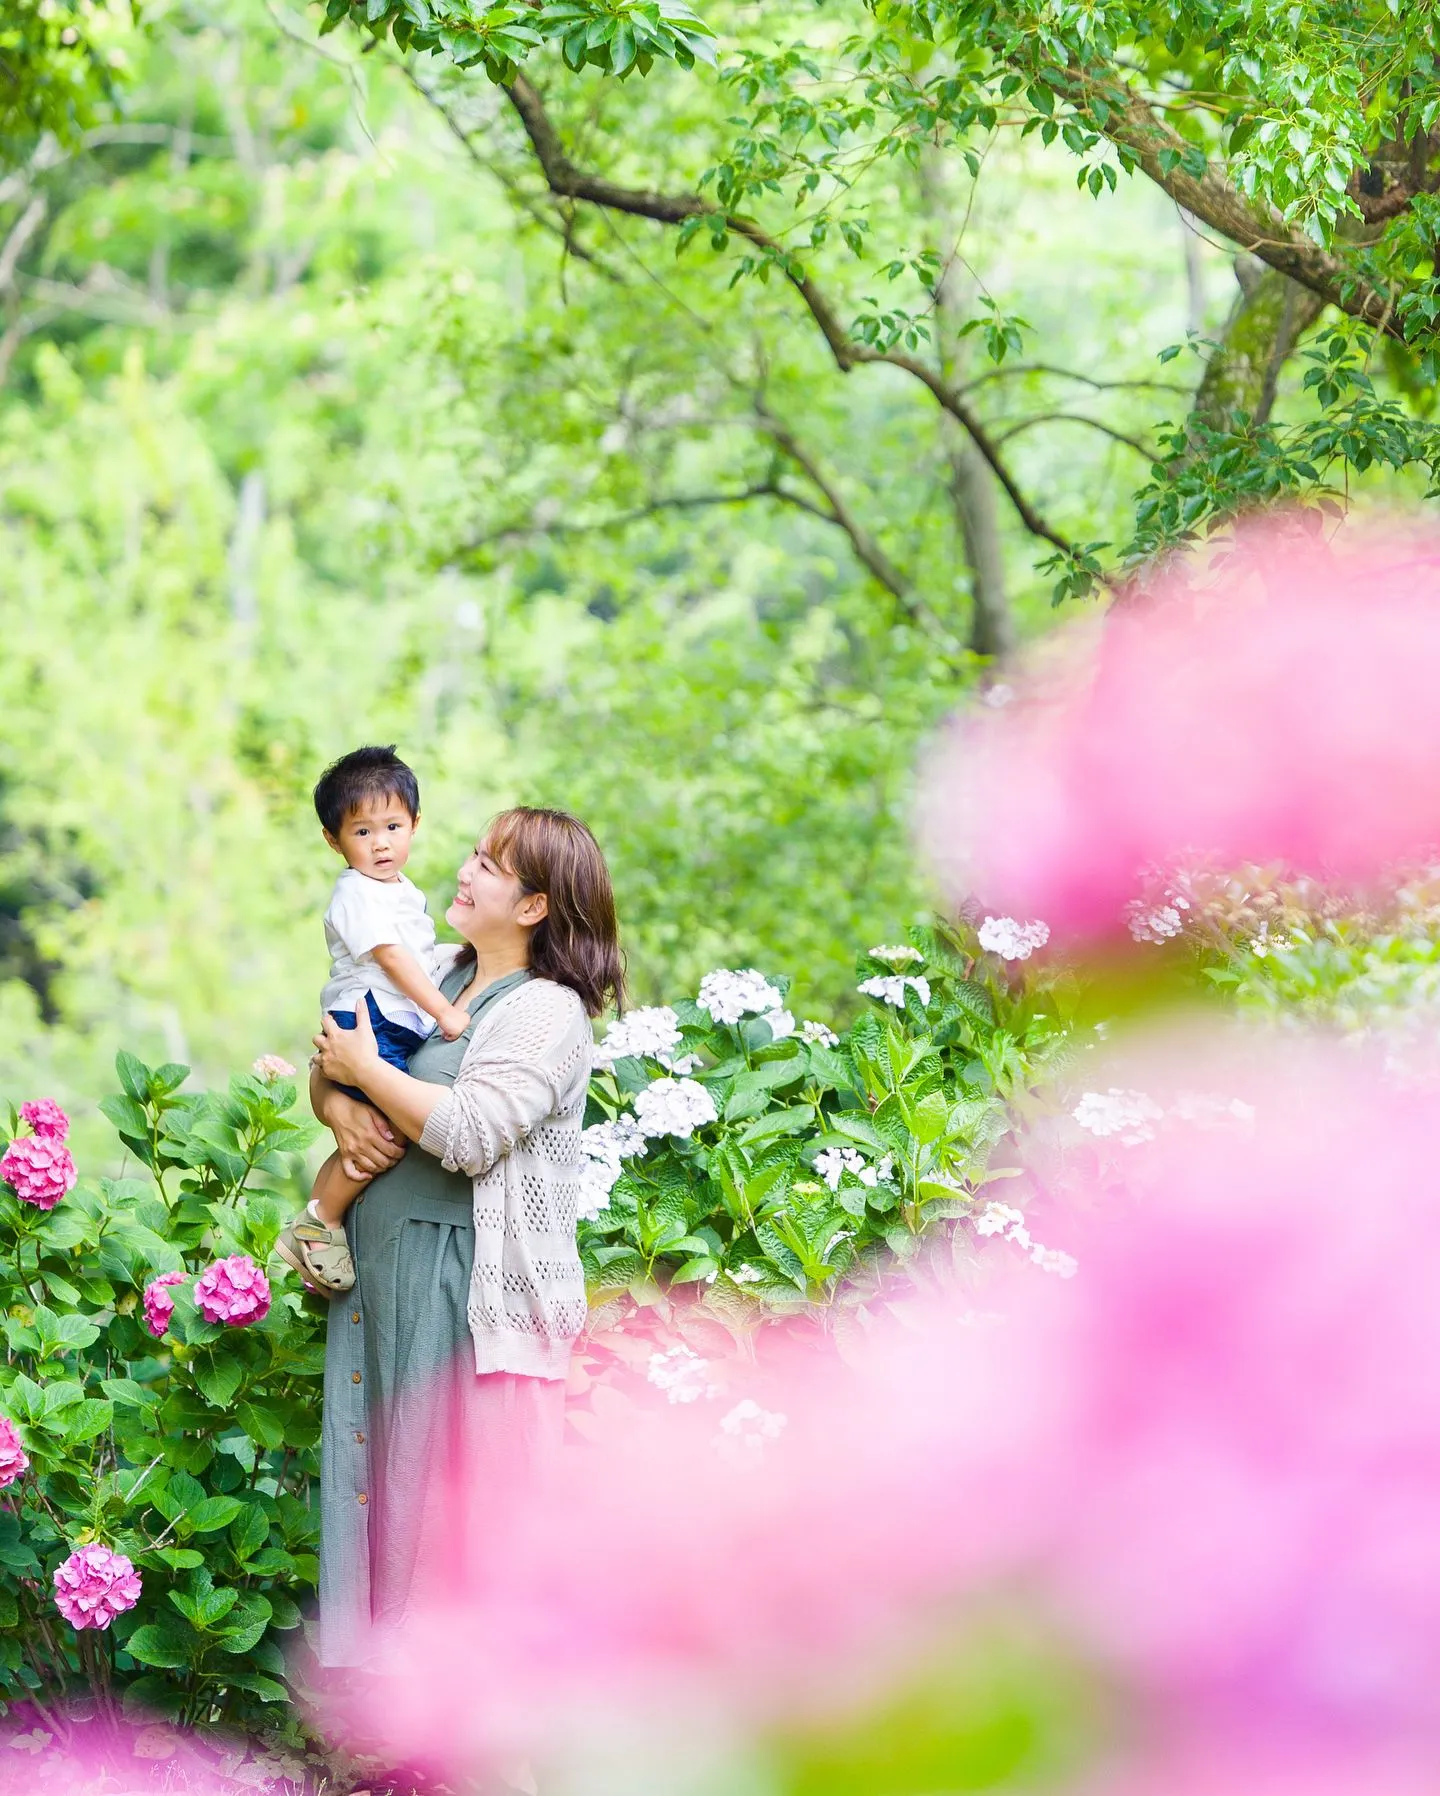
[{"x": 319, "y": 1254}]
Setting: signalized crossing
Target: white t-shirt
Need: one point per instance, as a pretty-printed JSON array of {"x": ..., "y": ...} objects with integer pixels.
[{"x": 365, "y": 914}]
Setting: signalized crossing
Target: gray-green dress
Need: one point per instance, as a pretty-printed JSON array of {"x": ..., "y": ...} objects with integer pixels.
[{"x": 402, "y": 1398}]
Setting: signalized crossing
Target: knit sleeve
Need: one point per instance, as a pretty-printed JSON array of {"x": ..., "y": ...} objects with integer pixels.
[{"x": 513, "y": 1077}]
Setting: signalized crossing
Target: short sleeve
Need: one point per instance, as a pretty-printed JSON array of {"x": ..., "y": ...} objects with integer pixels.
[{"x": 361, "y": 917}]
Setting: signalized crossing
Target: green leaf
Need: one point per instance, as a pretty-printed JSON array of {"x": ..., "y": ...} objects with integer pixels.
[
  {"x": 153, "y": 1645},
  {"x": 83, "y": 1421},
  {"x": 126, "y": 1114},
  {"x": 133, "y": 1075},
  {"x": 249, "y": 1531},
  {"x": 218, "y": 1376},
  {"x": 262, "y": 1422},
  {"x": 210, "y": 1515}
]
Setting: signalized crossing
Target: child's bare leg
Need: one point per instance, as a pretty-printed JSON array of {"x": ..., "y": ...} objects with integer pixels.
[{"x": 334, "y": 1192}]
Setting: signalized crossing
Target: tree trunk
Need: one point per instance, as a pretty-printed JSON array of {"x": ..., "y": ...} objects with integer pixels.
[
  {"x": 971, "y": 484},
  {"x": 972, "y": 493},
  {"x": 1266, "y": 323}
]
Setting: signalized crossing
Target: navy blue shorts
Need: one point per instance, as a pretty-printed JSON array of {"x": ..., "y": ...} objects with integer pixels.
[{"x": 395, "y": 1042}]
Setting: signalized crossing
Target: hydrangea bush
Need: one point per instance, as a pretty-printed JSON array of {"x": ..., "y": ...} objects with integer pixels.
[
  {"x": 159, "y": 1407},
  {"x": 775, "y": 1168},
  {"x": 160, "y": 1396}
]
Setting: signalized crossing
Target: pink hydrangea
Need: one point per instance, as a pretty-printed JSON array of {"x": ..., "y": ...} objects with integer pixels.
[
  {"x": 233, "y": 1290},
  {"x": 14, "y": 1461},
  {"x": 45, "y": 1118},
  {"x": 159, "y": 1304},
  {"x": 39, "y": 1170},
  {"x": 270, "y": 1067},
  {"x": 94, "y": 1585},
  {"x": 1231, "y": 710}
]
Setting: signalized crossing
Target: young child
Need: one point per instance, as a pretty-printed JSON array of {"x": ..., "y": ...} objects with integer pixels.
[{"x": 382, "y": 949}]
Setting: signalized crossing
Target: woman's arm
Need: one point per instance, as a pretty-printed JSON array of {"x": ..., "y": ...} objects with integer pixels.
[
  {"x": 364, "y": 1138},
  {"x": 350, "y": 1057}
]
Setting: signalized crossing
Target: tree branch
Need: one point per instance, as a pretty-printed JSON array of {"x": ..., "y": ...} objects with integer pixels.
[
  {"x": 1014, "y": 430},
  {"x": 512, "y": 188},
  {"x": 1011, "y": 369},
  {"x": 18, "y": 241},
  {"x": 565, "y": 179},
  {"x": 867, "y": 551},
  {"x": 767, "y": 489},
  {"x": 1130, "y": 123}
]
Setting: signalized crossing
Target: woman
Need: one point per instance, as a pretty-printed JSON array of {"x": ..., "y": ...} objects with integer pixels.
[{"x": 453, "y": 1347}]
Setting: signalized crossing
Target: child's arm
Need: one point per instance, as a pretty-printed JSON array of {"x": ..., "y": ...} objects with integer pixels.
[{"x": 401, "y": 967}]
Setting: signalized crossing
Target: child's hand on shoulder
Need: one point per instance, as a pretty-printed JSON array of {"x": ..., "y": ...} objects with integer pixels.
[{"x": 453, "y": 1021}]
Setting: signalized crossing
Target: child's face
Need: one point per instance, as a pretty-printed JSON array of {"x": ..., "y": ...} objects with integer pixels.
[{"x": 375, "y": 837}]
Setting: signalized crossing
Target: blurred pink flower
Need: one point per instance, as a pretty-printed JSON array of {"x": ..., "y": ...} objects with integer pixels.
[
  {"x": 14, "y": 1461},
  {"x": 1210, "y": 1461},
  {"x": 159, "y": 1305},
  {"x": 1234, "y": 712},
  {"x": 233, "y": 1290},
  {"x": 38, "y": 1169},
  {"x": 111, "y": 1756},
  {"x": 94, "y": 1585},
  {"x": 45, "y": 1117},
  {"x": 271, "y": 1067}
]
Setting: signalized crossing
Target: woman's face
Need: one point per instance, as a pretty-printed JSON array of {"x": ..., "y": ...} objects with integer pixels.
[{"x": 490, "y": 902}]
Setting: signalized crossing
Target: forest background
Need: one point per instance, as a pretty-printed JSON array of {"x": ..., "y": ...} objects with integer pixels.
[{"x": 333, "y": 408}]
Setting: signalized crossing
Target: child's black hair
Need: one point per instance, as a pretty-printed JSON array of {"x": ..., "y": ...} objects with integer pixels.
[{"x": 364, "y": 773}]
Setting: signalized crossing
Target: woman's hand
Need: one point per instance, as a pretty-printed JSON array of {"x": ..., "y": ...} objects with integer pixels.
[
  {"x": 348, "y": 1056},
  {"x": 366, "y": 1143}
]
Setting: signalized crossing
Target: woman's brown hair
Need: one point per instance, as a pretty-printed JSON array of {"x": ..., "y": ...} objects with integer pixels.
[{"x": 578, "y": 943}]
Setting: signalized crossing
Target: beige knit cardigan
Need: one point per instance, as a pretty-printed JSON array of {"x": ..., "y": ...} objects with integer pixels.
[{"x": 512, "y": 1121}]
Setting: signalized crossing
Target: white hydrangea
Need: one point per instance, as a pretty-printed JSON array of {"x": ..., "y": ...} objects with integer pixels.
[
  {"x": 1158, "y": 923},
  {"x": 996, "y": 1219},
  {"x": 651, "y": 1032},
  {"x": 682, "y": 1375},
  {"x": 674, "y": 1107},
  {"x": 602, "y": 1148},
  {"x": 1004, "y": 1220},
  {"x": 834, "y": 1162},
  {"x": 1013, "y": 940},
  {"x": 901, "y": 956},
  {"x": 729, "y": 994},
  {"x": 818, "y": 1035},
  {"x": 782, "y": 1024},
  {"x": 889, "y": 988},
  {"x": 751, "y": 1425},
  {"x": 744, "y": 1274},
  {"x": 1264, "y": 943},
  {"x": 997, "y": 696},
  {"x": 1127, "y": 1114}
]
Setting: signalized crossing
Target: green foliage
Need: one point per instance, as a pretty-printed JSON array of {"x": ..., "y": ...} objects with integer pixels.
[
  {"x": 59, "y": 62},
  {"x": 827, "y": 1160},
  {"x": 619, "y": 39},
  {"x": 194, "y": 1455},
  {"x": 197, "y": 1454}
]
